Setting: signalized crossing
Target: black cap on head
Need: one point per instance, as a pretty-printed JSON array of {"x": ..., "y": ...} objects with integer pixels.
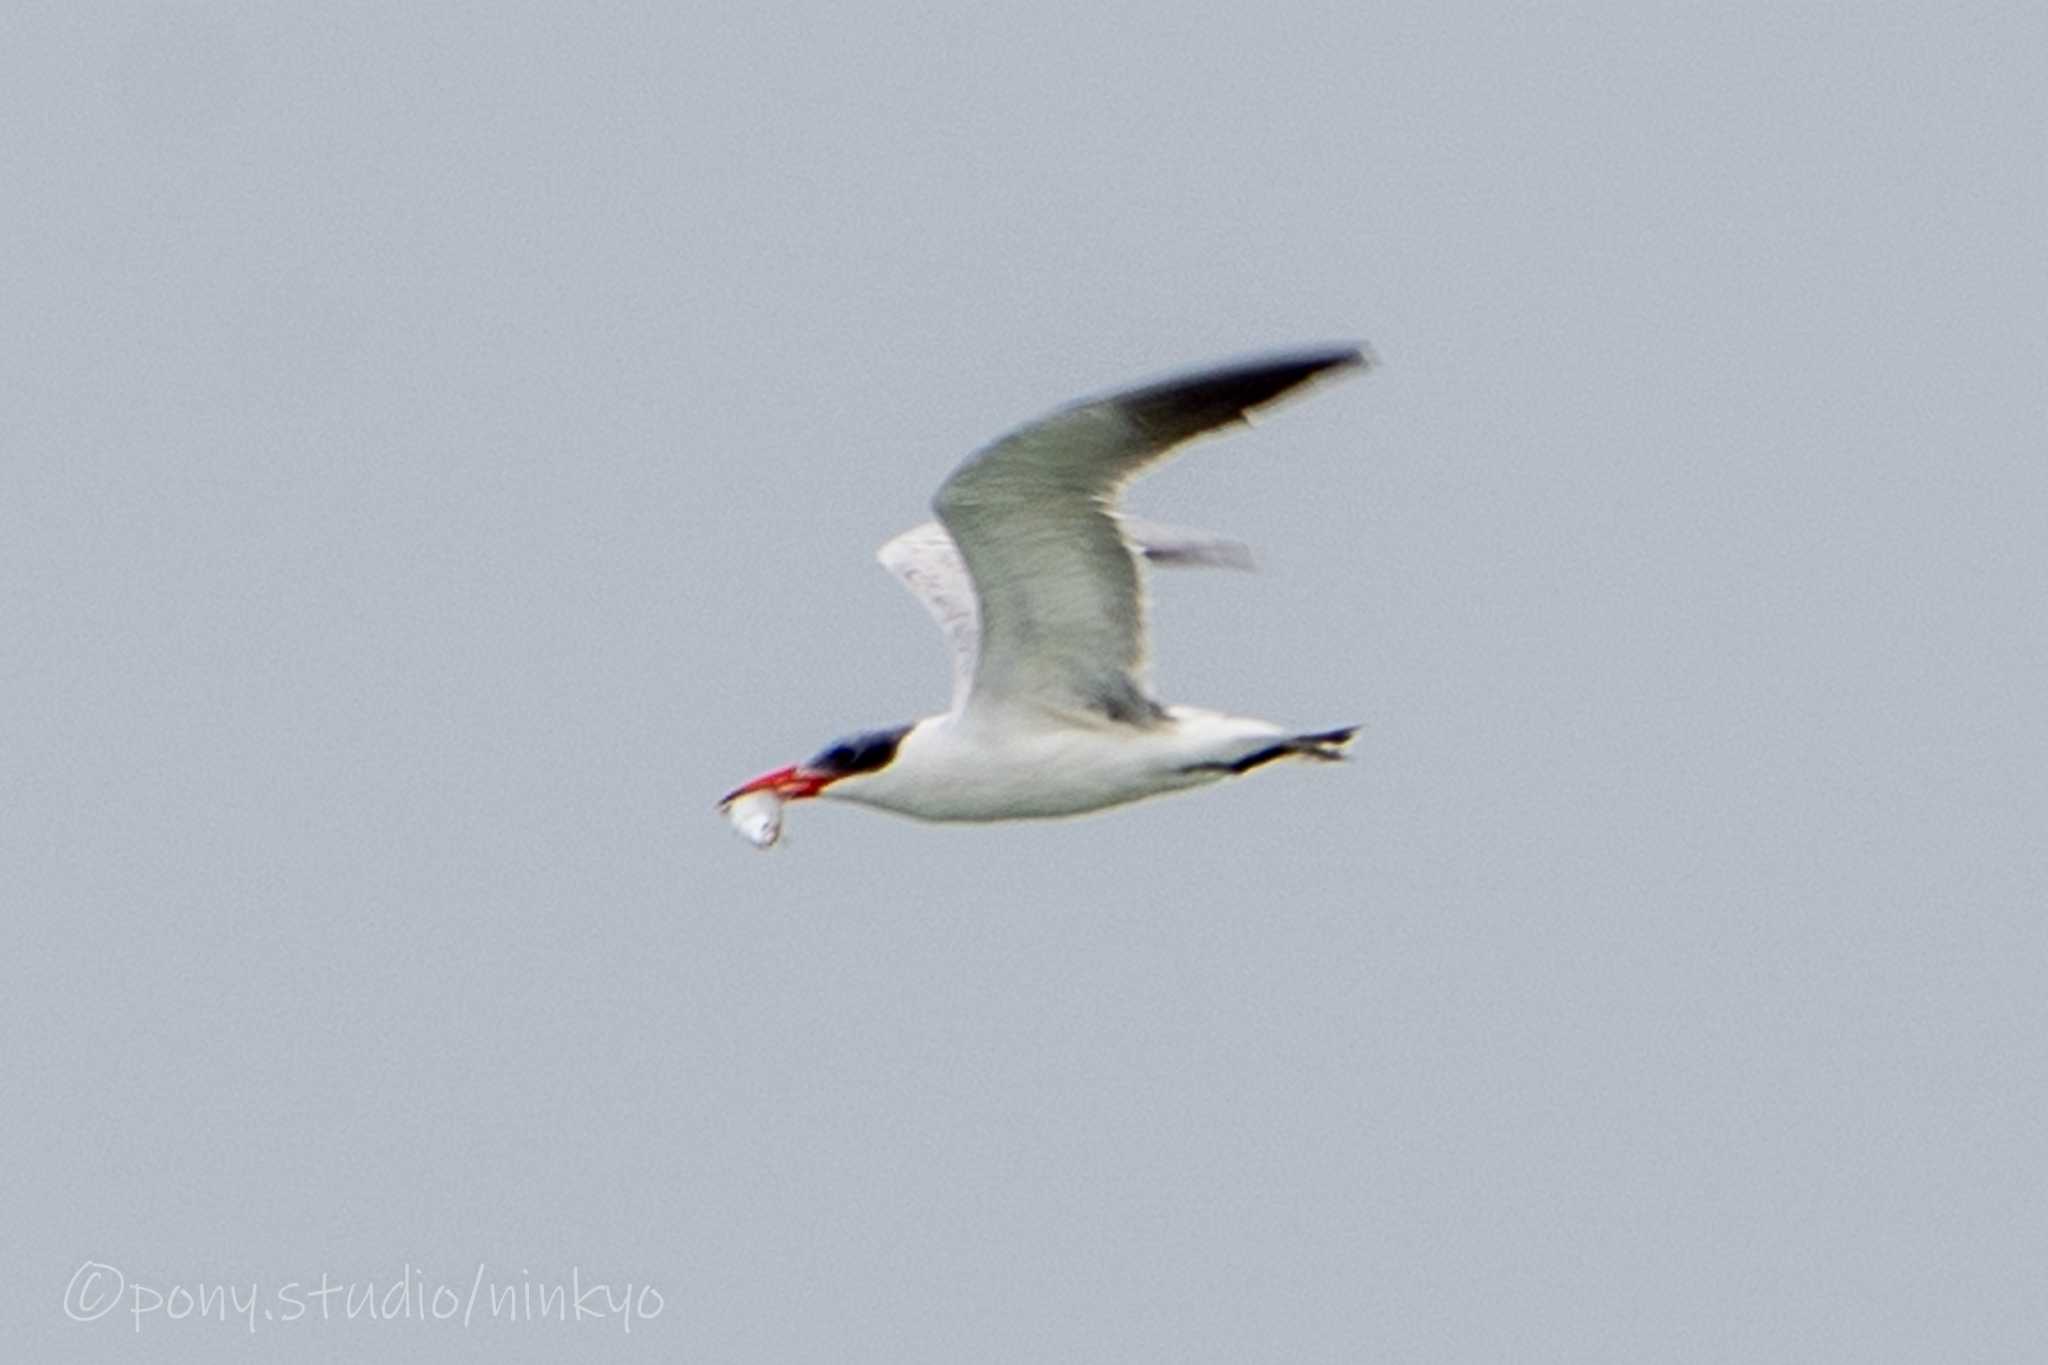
[{"x": 861, "y": 753}]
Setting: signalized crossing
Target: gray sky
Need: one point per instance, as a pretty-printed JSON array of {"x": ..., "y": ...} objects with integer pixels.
[{"x": 443, "y": 450}]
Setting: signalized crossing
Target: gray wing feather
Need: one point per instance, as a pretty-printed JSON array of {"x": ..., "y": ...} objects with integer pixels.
[
  {"x": 1179, "y": 547},
  {"x": 927, "y": 562},
  {"x": 1033, "y": 515}
]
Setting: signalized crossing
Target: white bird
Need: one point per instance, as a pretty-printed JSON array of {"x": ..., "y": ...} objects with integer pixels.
[{"x": 1034, "y": 578}]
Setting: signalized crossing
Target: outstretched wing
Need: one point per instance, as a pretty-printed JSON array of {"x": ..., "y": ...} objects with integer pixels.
[
  {"x": 1060, "y": 608},
  {"x": 925, "y": 559},
  {"x": 929, "y": 564}
]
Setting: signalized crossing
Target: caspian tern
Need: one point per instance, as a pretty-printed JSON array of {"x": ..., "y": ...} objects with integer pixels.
[{"x": 1034, "y": 578}]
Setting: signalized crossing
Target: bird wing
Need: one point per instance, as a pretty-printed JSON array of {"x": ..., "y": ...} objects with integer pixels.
[
  {"x": 927, "y": 562},
  {"x": 1061, "y": 614}
]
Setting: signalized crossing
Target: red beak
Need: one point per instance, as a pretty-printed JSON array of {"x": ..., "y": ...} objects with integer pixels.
[{"x": 791, "y": 784}]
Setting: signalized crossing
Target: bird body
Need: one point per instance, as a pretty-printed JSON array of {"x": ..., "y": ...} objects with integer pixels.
[
  {"x": 962, "y": 767},
  {"x": 1034, "y": 578}
]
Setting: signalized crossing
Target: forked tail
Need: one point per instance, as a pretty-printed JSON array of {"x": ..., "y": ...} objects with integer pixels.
[{"x": 1326, "y": 746}]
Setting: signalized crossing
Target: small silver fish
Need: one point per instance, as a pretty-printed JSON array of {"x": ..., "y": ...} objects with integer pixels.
[{"x": 757, "y": 817}]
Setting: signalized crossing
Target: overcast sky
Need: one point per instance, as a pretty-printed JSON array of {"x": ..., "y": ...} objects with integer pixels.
[{"x": 442, "y": 449}]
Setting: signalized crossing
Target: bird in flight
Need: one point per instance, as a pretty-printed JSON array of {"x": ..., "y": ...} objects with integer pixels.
[{"x": 1034, "y": 577}]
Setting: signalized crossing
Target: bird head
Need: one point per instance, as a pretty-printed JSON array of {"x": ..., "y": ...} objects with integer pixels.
[{"x": 867, "y": 752}]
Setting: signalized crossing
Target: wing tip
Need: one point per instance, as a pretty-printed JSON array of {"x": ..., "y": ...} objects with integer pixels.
[
  {"x": 1332, "y": 359},
  {"x": 1190, "y": 404}
]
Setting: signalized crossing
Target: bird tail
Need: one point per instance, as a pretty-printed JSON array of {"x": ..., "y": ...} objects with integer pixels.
[{"x": 1327, "y": 745}]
